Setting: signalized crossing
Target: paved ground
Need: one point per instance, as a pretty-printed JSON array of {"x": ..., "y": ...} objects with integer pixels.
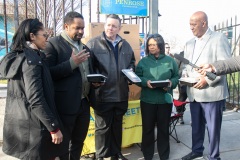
[
  {"x": 229, "y": 148},
  {"x": 3, "y": 90}
]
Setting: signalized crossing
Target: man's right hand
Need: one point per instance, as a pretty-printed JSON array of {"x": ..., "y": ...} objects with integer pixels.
[
  {"x": 206, "y": 68},
  {"x": 80, "y": 57}
]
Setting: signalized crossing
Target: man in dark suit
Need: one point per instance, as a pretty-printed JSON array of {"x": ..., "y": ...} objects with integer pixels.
[{"x": 68, "y": 61}]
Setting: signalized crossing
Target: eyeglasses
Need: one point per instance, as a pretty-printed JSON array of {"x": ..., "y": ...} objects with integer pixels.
[
  {"x": 154, "y": 45},
  {"x": 44, "y": 35}
]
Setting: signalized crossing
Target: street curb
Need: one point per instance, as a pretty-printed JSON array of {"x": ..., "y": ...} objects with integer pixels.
[{"x": 3, "y": 86}]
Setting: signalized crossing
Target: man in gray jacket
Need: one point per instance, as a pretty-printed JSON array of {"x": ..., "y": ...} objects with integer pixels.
[
  {"x": 207, "y": 97},
  {"x": 110, "y": 54}
]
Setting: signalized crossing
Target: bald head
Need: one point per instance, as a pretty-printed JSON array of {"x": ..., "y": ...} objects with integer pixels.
[
  {"x": 199, "y": 23},
  {"x": 201, "y": 16}
]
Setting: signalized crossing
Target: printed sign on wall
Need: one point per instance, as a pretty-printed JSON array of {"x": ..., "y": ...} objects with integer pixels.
[
  {"x": 124, "y": 7},
  {"x": 132, "y": 128}
]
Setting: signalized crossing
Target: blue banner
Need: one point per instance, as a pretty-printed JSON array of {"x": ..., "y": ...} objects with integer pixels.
[{"x": 124, "y": 7}]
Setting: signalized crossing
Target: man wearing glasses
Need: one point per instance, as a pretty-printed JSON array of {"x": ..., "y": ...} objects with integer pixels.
[{"x": 167, "y": 50}]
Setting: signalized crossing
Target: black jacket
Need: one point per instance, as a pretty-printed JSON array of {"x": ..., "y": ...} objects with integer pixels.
[
  {"x": 115, "y": 88},
  {"x": 67, "y": 82},
  {"x": 30, "y": 112}
]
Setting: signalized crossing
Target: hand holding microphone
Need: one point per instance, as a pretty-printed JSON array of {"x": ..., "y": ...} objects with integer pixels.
[{"x": 210, "y": 75}]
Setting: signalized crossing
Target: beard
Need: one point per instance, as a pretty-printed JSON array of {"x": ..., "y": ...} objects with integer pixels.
[{"x": 77, "y": 37}]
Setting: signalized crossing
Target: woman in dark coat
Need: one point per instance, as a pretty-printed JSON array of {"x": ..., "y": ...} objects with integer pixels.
[{"x": 32, "y": 129}]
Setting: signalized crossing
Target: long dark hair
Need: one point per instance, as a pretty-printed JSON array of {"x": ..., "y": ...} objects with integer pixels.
[
  {"x": 160, "y": 43},
  {"x": 22, "y": 35}
]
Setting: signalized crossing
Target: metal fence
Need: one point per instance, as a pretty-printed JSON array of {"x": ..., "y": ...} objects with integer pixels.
[
  {"x": 232, "y": 30},
  {"x": 51, "y": 13}
]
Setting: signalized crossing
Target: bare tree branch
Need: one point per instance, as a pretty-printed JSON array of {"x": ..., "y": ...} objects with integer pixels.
[{"x": 49, "y": 10}]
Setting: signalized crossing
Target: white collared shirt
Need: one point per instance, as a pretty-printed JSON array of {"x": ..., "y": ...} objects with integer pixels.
[
  {"x": 114, "y": 43},
  {"x": 198, "y": 48}
]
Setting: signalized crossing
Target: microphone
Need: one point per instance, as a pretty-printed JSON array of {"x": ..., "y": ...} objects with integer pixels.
[{"x": 210, "y": 75}]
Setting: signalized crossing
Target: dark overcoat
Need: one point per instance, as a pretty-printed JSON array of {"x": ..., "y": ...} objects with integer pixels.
[
  {"x": 30, "y": 113},
  {"x": 67, "y": 81}
]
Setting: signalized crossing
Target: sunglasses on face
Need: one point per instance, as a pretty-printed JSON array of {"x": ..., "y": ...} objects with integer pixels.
[{"x": 44, "y": 35}]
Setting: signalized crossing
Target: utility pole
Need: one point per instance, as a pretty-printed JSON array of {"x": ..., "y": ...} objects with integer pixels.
[
  {"x": 5, "y": 24},
  {"x": 16, "y": 19},
  {"x": 153, "y": 16}
]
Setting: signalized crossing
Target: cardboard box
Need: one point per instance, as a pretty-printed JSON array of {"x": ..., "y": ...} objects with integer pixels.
[
  {"x": 85, "y": 40},
  {"x": 134, "y": 92},
  {"x": 93, "y": 29},
  {"x": 130, "y": 32},
  {"x": 137, "y": 55}
]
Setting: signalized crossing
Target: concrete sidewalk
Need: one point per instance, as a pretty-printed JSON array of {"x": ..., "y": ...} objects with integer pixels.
[
  {"x": 229, "y": 148},
  {"x": 3, "y": 90}
]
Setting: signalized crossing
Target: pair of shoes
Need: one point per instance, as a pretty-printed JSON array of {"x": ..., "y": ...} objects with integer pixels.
[
  {"x": 90, "y": 156},
  {"x": 118, "y": 156},
  {"x": 180, "y": 121},
  {"x": 191, "y": 156}
]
